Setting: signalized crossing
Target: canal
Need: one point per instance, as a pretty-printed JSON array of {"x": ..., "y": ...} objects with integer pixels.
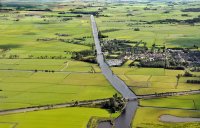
[{"x": 126, "y": 117}]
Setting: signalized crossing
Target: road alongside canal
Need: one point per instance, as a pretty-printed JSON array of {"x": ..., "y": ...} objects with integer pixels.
[{"x": 125, "y": 119}]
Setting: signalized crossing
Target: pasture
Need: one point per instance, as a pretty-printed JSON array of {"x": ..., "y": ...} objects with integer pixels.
[
  {"x": 186, "y": 102},
  {"x": 68, "y": 117},
  {"x": 149, "y": 117},
  {"x": 35, "y": 59},
  {"x": 120, "y": 20},
  {"x": 27, "y": 88},
  {"x": 36, "y": 66},
  {"x": 154, "y": 80}
]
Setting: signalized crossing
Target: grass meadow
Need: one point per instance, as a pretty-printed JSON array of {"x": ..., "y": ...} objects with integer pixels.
[
  {"x": 49, "y": 118},
  {"x": 185, "y": 102},
  {"x": 35, "y": 39},
  {"x": 121, "y": 19},
  {"x": 154, "y": 80},
  {"x": 149, "y": 117},
  {"x": 33, "y": 36},
  {"x": 24, "y": 89}
]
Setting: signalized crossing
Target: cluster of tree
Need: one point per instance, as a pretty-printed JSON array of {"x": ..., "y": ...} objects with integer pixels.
[
  {"x": 60, "y": 34},
  {"x": 157, "y": 63},
  {"x": 66, "y": 19},
  {"x": 75, "y": 41},
  {"x": 167, "y": 11},
  {"x": 192, "y": 21},
  {"x": 85, "y": 55},
  {"x": 186, "y": 15},
  {"x": 191, "y": 10},
  {"x": 80, "y": 39},
  {"x": 176, "y": 63},
  {"x": 4, "y": 49},
  {"x": 147, "y": 8},
  {"x": 13, "y": 57},
  {"x": 46, "y": 39},
  {"x": 100, "y": 35},
  {"x": 153, "y": 64},
  {"x": 45, "y": 70},
  {"x": 110, "y": 30},
  {"x": 49, "y": 57},
  {"x": 112, "y": 46},
  {"x": 18, "y": 6},
  {"x": 46, "y": 10},
  {"x": 62, "y": 12},
  {"x": 114, "y": 104},
  {"x": 188, "y": 74},
  {"x": 172, "y": 21},
  {"x": 102, "y": 15},
  {"x": 136, "y": 29},
  {"x": 5, "y": 10},
  {"x": 193, "y": 81},
  {"x": 164, "y": 21},
  {"x": 195, "y": 69},
  {"x": 123, "y": 41},
  {"x": 95, "y": 13},
  {"x": 129, "y": 14},
  {"x": 176, "y": 67}
]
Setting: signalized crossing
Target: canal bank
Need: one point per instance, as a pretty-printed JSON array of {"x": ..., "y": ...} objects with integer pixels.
[{"x": 126, "y": 117}]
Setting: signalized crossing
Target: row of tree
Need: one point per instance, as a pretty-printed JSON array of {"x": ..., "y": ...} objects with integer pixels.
[{"x": 193, "y": 81}]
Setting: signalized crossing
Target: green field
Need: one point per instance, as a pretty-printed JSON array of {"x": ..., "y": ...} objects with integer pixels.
[
  {"x": 62, "y": 118},
  {"x": 23, "y": 89},
  {"x": 35, "y": 58},
  {"x": 186, "y": 102},
  {"x": 123, "y": 18},
  {"x": 36, "y": 65},
  {"x": 63, "y": 65},
  {"x": 154, "y": 80},
  {"x": 149, "y": 117}
]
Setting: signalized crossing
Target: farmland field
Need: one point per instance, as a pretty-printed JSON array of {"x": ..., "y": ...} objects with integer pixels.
[
  {"x": 36, "y": 66},
  {"x": 149, "y": 117},
  {"x": 48, "y": 57},
  {"x": 186, "y": 102},
  {"x": 24, "y": 89},
  {"x": 123, "y": 19},
  {"x": 153, "y": 80},
  {"x": 49, "y": 118}
]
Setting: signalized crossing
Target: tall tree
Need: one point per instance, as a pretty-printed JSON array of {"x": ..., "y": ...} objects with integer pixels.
[{"x": 178, "y": 78}]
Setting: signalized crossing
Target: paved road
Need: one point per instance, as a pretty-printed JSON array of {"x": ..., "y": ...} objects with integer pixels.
[
  {"x": 52, "y": 106},
  {"x": 125, "y": 119},
  {"x": 167, "y": 94},
  {"x": 56, "y": 71}
]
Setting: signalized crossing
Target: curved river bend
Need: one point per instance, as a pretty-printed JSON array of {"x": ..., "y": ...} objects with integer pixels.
[{"x": 126, "y": 117}]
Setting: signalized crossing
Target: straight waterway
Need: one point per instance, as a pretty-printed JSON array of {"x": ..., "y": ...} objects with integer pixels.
[{"x": 126, "y": 117}]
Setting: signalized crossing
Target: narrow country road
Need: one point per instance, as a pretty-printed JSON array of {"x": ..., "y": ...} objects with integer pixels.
[
  {"x": 51, "y": 106},
  {"x": 125, "y": 119}
]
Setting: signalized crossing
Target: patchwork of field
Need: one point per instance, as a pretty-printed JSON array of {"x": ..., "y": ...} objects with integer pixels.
[
  {"x": 120, "y": 20},
  {"x": 61, "y": 65},
  {"x": 149, "y": 117},
  {"x": 53, "y": 118},
  {"x": 21, "y": 37},
  {"x": 182, "y": 102},
  {"x": 154, "y": 80},
  {"x": 35, "y": 59},
  {"x": 36, "y": 66},
  {"x": 27, "y": 88}
]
